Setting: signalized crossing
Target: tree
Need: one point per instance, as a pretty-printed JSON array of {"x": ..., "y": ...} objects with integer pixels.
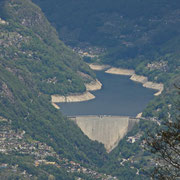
[{"x": 165, "y": 144}]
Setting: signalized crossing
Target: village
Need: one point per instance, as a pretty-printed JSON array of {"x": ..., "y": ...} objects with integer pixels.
[
  {"x": 162, "y": 65},
  {"x": 89, "y": 51},
  {"x": 15, "y": 142}
]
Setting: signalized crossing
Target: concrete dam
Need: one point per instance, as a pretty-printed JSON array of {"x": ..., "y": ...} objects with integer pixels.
[{"x": 108, "y": 130}]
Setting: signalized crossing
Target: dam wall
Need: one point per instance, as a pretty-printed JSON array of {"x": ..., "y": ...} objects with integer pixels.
[{"x": 108, "y": 130}]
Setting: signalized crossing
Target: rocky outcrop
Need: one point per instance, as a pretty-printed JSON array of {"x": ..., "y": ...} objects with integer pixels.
[
  {"x": 3, "y": 22},
  {"x": 108, "y": 130},
  {"x": 148, "y": 84},
  {"x": 93, "y": 86},
  {"x": 140, "y": 79},
  {"x": 96, "y": 67},
  {"x": 72, "y": 98},
  {"x": 139, "y": 115},
  {"x": 55, "y": 105},
  {"x": 120, "y": 71},
  {"x": 6, "y": 92},
  {"x": 156, "y": 86}
]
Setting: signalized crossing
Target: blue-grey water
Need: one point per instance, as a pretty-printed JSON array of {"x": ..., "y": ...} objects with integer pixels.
[{"x": 119, "y": 96}]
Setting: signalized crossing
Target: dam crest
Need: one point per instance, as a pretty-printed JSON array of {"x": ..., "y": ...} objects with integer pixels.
[{"x": 106, "y": 129}]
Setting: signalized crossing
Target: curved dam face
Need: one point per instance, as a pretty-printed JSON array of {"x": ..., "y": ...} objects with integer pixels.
[{"x": 108, "y": 130}]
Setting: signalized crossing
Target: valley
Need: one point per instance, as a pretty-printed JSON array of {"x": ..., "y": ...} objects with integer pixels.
[{"x": 60, "y": 119}]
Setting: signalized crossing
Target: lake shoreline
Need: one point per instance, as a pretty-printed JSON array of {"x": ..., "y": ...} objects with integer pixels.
[
  {"x": 97, "y": 67},
  {"x": 97, "y": 85},
  {"x": 86, "y": 96},
  {"x": 72, "y": 98},
  {"x": 93, "y": 85},
  {"x": 137, "y": 78},
  {"x": 120, "y": 71}
]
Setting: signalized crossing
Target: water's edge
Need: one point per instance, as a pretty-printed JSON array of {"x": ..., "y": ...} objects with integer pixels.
[{"x": 97, "y": 85}]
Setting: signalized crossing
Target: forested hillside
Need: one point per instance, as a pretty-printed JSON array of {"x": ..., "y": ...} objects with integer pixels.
[
  {"x": 34, "y": 64},
  {"x": 30, "y": 42},
  {"x": 132, "y": 30}
]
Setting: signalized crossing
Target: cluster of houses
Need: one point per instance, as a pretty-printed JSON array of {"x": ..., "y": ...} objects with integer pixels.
[
  {"x": 74, "y": 167},
  {"x": 89, "y": 51},
  {"x": 12, "y": 141},
  {"x": 162, "y": 65}
]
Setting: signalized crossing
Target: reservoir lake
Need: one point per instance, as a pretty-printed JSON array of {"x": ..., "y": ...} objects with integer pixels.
[{"x": 119, "y": 96}]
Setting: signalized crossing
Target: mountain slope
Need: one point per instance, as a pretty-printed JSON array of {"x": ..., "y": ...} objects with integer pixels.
[
  {"x": 36, "y": 47},
  {"x": 34, "y": 64},
  {"x": 131, "y": 31}
]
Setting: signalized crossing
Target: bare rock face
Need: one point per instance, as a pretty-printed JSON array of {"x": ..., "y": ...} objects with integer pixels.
[
  {"x": 108, "y": 130},
  {"x": 6, "y": 92},
  {"x": 120, "y": 71},
  {"x": 72, "y": 98},
  {"x": 93, "y": 86}
]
